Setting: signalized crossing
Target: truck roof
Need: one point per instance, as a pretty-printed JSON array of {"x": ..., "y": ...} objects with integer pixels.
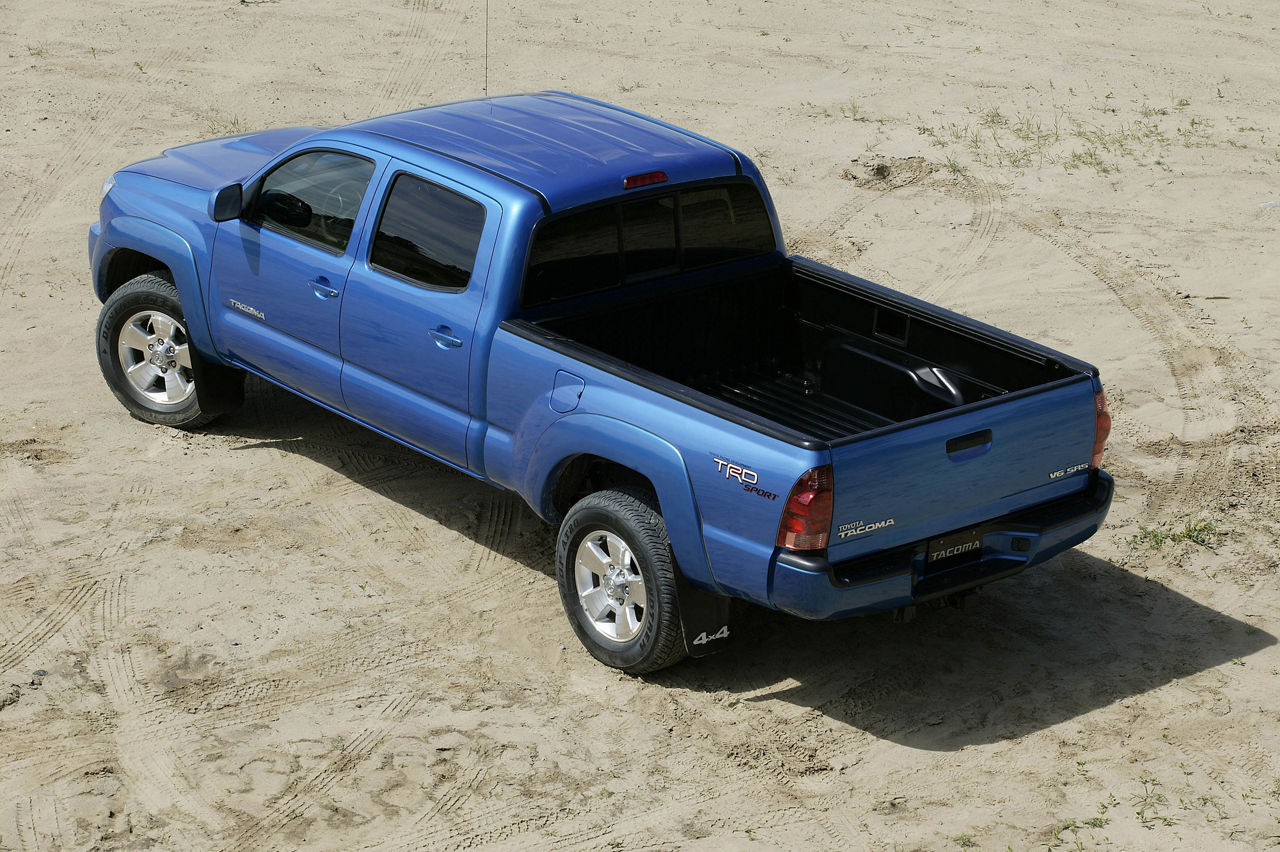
[{"x": 567, "y": 149}]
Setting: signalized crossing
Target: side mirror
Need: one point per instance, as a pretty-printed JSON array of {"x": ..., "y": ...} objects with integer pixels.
[
  {"x": 226, "y": 203},
  {"x": 285, "y": 208}
]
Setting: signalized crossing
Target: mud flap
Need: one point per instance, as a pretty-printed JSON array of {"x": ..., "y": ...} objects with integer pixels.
[
  {"x": 705, "y": 619},
  {"x": 218, "y": 388}
]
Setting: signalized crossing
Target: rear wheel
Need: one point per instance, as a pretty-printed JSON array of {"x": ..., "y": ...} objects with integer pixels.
[
  {"x": 146, "y": 354},
  {"x": 618, "y": 583}
]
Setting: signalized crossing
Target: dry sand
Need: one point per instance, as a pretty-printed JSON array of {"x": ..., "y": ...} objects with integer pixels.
[{"x": 287, "y": 632}]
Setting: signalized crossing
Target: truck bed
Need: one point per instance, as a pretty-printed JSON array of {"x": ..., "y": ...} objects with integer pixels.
[{"x": 818, "y": 352}]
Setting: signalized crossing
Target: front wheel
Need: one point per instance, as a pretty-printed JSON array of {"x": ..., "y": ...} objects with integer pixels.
[
  {"x": 618, "y": 583},
  {"x": 146, "y": 354}
]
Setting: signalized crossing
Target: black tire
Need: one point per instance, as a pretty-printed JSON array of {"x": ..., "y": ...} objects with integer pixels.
[
  {"x": 631, "y": 518},
  {"x": 164, "y": 366}
]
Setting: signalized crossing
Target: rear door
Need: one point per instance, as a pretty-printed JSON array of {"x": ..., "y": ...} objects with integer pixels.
[
  {"x": 410, "y": 310},
  {"x": 931, "y": 478},
  {"x": 279, "y": 272}
]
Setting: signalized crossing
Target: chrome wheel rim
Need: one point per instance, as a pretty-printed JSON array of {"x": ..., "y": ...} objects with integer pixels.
[
  {"x": 155, "y": 354},
  {"x": 610, "y": 587}
]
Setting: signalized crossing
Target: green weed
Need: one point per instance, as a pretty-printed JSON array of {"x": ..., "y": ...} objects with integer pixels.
[
  {"x": 1150, "y": 797},
  {"x": 1088, "y": 158},
  {"x": 993, "y": 118},
  {"x": 217, "y": 124},
  {"x": 1202, "y": 532}
]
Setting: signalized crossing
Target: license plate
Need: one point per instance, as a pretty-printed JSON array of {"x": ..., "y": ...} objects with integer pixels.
[{"x": 954, "y": 549}]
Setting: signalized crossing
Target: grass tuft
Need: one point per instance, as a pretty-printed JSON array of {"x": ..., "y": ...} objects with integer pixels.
[{"x": 1202, "y": 532}]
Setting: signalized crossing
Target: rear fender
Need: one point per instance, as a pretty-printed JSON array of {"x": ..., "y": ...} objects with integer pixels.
[{"x": 641, "y": 451}]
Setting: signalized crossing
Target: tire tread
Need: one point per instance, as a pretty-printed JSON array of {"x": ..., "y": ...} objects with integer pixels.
[{"x": 637, "y": 509}]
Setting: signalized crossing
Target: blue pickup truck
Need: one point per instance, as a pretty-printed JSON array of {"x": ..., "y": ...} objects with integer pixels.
[{"x": 595, "y": 309}]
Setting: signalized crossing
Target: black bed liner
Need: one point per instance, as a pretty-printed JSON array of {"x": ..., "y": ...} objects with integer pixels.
[{"x": 820, "y": 353}]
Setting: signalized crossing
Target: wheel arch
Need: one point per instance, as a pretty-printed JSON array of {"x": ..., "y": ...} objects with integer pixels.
[
  {"x": 585, "y": 450},
  {"x": 587, "y": 473},
  {"x": 136, "y": 246},
  {"x": 125, "y": 264}
]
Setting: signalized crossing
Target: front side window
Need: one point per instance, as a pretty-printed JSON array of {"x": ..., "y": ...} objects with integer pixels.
[
  {"x": 428, "y": 234},
  {"x": 315, "y": 197}
]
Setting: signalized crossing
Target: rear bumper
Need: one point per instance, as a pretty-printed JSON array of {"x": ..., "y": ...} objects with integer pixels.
[{"x": 811, "y": 587}]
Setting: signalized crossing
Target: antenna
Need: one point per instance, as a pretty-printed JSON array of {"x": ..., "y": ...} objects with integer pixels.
[{"x": 486, "y": 48}]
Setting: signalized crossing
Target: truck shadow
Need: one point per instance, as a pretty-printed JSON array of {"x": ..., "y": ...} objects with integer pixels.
[
  {"x": 275, "y": 419},
  {"x": 1054, "y": 643},
  {"x": 1027, "y": 653}
]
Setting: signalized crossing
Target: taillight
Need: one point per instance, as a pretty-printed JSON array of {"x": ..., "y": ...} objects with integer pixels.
[
  {"x": 1102, "y": 430},
  {"x": 806, "y": 517}
]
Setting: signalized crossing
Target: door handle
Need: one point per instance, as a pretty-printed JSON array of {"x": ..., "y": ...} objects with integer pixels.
[
  {"x": 444, "y": 337},
  {"x": 322, "y": 289}
]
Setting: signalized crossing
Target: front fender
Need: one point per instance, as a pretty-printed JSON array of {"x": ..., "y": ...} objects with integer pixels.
[
  {"x": 643, "y": 452},
  {"x": 145, "y": 236}
]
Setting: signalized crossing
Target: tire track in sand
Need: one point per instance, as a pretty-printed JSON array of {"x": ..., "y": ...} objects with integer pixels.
[
  {"x": 457, "y": 796},
  {"x": 757, "y": 766},
  {"x": 303, "y": 793},
  {"x": 987, "y": 221},
  {"x": 327, "y": 668},
  {"x": 483, "y": 574},
  {"x": 819, "y": 237},
  {"x": 25, "y": 824},
  {"x": 77, "y": 156},
  {"x": 17, "y": 520},
  {"x": 418, "y": 60},
  {"x": 55, "y": 754},
  {"x": 47, "y": 625},
  {"x": 145, "y": 748},
  {"x": 478, "y": 827},
  {"x": 1210, "y": 377}
]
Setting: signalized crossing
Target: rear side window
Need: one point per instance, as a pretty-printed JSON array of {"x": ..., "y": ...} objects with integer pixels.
[
  {"x": 315, "y": 197},
  {"x": 607, "y": 246},
  {"x": 428, "y": 235}
]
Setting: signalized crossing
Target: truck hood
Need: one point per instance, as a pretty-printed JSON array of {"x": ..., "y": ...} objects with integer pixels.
[{"x": 217, "y": 162}]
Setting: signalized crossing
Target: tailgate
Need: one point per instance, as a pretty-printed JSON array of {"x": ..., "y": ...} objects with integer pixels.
[{"x": 930, "y": 477}]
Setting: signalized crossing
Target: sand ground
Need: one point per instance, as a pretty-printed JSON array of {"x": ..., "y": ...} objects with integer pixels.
[{"x": 285, "y": 632}]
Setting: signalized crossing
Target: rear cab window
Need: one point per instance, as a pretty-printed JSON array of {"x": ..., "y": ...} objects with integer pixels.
[{"x": 635, "y": 239}]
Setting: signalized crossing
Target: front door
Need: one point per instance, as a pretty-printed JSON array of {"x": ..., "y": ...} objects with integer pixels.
[{"x": 279, "y": 272}]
